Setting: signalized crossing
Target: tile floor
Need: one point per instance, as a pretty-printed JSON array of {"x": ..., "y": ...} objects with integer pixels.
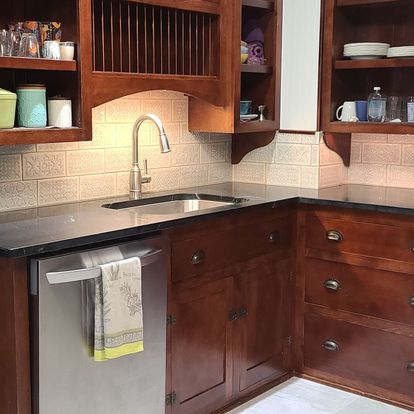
[{"x": 299, "y": 396}]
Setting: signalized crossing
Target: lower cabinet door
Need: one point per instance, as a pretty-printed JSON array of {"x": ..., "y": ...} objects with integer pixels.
[
  {"x": 358, "y": 354},
  {"x": 262, "y": 331},
  {"x": 201, "y": 347}
]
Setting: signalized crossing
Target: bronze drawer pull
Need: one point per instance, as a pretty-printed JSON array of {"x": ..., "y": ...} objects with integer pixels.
[
  {"x": 411, "y": 301},
  {"x": 334, "y": 235},
  {"x": 332, "y": 284},
  {"x": 410, "y": 367},
  {"x": 198, "y": 257},
  {"x": 331, "y": 346},
  {"x": 273, "y": 237}
]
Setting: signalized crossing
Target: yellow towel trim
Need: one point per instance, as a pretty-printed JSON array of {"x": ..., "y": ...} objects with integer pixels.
[{"x": 112, "y": 353}]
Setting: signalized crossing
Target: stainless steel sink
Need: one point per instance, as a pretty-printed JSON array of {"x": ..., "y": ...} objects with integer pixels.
[{"x": 176, "y": 203}]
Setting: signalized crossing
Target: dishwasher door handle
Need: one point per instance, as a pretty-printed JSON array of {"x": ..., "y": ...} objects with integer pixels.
[{"x": 78, "y": 275}]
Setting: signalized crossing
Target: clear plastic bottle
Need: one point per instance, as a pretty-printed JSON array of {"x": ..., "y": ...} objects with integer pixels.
[{"x": 377, "y": 103}]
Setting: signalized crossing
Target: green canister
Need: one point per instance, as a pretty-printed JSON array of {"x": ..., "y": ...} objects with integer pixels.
[
  {"x": 31, "y": 106},
  {"x": 7, "y": 109}
]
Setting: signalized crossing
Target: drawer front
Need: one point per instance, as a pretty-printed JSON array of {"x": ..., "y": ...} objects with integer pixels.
[
  {"x": 378, "y": 293},
  {"x": 358, "y": 353},
  {"x": 216, "y": 250},
  {"x": 366, "y": 239}
]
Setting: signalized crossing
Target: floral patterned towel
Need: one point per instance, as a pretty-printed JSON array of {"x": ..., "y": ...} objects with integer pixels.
[{"x": 118, "y": 310}]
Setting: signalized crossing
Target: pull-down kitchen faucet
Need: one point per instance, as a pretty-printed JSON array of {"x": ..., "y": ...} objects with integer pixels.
[{"x": 137, "y": 179}]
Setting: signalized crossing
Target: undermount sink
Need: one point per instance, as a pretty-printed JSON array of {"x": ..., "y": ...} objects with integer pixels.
[{"x": 176, "y": 203}]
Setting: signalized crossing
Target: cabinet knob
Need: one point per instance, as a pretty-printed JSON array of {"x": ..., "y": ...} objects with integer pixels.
[
  {"x": 334, "y": 235},
  {"x": 330, "y": 345},
  {"x": 412, "y": 246},
  {"x": 411, "y": 301},
  {"x": 198, "y": 257},
  {"x": 332, "y": 284},
  {"x": 243, "y": 312},
  {"x": 273, "y": 237},
  {"x": 410, "y": 367},
  {"x": 233, "y": 315}
]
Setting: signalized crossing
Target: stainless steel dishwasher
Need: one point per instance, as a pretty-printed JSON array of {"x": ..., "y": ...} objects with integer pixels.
[{"x": 66, "y": 380}]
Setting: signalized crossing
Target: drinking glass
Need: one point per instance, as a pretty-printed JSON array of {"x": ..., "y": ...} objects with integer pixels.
[
  {"x": 394, "y": 111},
  {"x": 4, "y": 43},
  {"x": 29, "y": 46}
]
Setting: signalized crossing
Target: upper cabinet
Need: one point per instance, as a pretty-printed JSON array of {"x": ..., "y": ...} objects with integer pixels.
[
  {"x": 59, "y": 77},
  {"x": 158, "y": 44},
  {"x": 300, "y": 65}
]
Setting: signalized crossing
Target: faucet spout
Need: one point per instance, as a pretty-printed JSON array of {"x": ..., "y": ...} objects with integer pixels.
[{"x": 136, "y": 179}]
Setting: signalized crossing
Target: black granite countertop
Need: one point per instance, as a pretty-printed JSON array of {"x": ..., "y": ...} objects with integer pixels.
[{"x": 52, "y": 229}]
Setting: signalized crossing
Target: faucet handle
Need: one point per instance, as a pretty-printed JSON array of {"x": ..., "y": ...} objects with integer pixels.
[{"x": 146, "y": 178}]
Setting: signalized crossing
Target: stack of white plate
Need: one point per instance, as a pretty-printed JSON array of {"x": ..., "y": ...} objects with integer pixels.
[
  {"x": 366, "y": 50},
  {"x": 401, "y": 51}
]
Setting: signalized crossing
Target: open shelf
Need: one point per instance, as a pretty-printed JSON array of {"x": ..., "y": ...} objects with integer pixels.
[
  {"x": 244, "y": 68},
  {"x": 39, "y": 135},
  {"x": 37, "y": 64},
  {"x": 260, "y": 4},
  {"x": 372, "y": 127},
  {"x": 375, "y": 63}
]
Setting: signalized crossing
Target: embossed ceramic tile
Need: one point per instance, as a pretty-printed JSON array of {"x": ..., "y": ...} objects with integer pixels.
[
  {"x": 295, "y": 154},
  {"x": 85, "y": 162},
  {"x": 166, "y": 94},
  {"x": 97, "y": 186},
  {"x": 118, "y": 159},
  {"x": 220, "y": 137},
  {"x": 331, "y": 175},
  {"x": 286, "y": 175},
  {"x": 185, "y": 154},
  {"x": 370, "y": 174},
  {"x": 263, "y": 154},
  {"x": 327, "y": 156},
  {"x": 376, "y": 153},
  {"x": 193, "y": 176},
  {"x": 180, "y": 110},
  {"x": 98, "y": 114},
  {"x": 309, "y": 177},
  {"x": 249, "y": 172},
  {"x": 10, "y": 167},
  {"x": 356, "y": 152},
  {"x": 123, "y": 110},
  {"x": 369, "y": 137},
  {"x": 165, "y": 179},
  {"x": 220, "y": 173},
  {"x": 315, "y": 150},
  {"x": 123, "y": 135},
  {"x": 159, "y": 107},
  {"x": 58, "y": 146},
  {"x": 311, "y": 139},
  {"x": 58, "y": 190},
  {"x": 122, "y": 183},
  {"x": 213, "y": 152},
  {"x": 43, "y": 165},
  {"x": 101, "y": 133},
  {"x": 400, "y": 139},
  {"x": 17, "y": 149},
  {"x": 408, "y": 154},
  {"x": 173, "y": 131},
  {"x": 188, "y": 137},
  {"x": 19, "y": 194},
  {"x": 400, "y": 176},
  {"x": 288, "y": 138},
  {"x": 156, "y": 159}
]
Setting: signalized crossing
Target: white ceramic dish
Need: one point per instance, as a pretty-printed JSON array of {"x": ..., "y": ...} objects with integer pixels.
[
  {"x": 248, "y": 117},
  {"x": 365, "y": 57}
]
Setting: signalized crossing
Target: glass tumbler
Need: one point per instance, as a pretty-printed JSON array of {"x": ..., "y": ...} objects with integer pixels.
[
  {"x": 29, "y": 46},
  {"x": 394, "y": 111}
]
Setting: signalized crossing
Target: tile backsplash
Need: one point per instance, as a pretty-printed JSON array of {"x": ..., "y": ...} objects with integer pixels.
[{"x": 47, "y": 174}]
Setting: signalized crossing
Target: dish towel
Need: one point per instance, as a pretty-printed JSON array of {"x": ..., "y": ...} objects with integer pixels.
[{"x": 117, "y": 309}]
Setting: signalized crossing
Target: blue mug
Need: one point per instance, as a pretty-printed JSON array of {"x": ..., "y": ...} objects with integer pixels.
[{"x": 361, "y": 110}]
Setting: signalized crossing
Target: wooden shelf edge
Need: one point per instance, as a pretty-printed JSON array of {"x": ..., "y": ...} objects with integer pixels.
[
  {"x": 369, "y": 127},
  {"x": 341, "y": 144},
  {"x": 260, "y": 4},
  {"x": 348, "y": 3},
  {"x": 256, "y": 126},
  {"x": 374, "y": 63},
  {"x": 245, "y": 68},
  {"x": 37, "y": 64},
  {"x": 242, "y": 144},
  {"x": 40, "y": 136}
]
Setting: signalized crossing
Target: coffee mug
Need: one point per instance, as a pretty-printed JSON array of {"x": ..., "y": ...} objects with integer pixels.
[{"x": 348, "y": 112}]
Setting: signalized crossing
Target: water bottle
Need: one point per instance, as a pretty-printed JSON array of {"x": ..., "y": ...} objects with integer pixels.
[{"x": 376, "y": 106}]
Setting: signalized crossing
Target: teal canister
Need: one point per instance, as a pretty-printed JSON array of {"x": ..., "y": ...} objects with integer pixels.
[
  {"x": 7, "y": 109},
  {"x": 31, "y": 106}
]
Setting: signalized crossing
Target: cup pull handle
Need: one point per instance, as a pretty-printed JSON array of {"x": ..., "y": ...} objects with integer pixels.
[
  {"x": 334, "y": 235},
  {"x": 332, "y": 284},
  {"x": 198, "y": 257},
  {"x": 330, "y": 345},
  {"x": 273, "y": 237},
  {"x": 410, "y": 367},
  {"x": 411, "y": 301}
]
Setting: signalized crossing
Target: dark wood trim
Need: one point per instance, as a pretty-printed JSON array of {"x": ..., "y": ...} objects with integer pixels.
[
  {"x": 38, "y": 64},
  {"x": 374, "y": 63},
  {"x": 256, "y": 68},
  {"x": 242, "y": 144},
  {"x": 260, "y": 4},
  {"x": 341, "y": 144}
]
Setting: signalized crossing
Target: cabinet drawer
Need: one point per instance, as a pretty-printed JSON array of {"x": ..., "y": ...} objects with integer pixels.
[
  {"x": 205, "y": 252},
  {"x": 378, "y": 293},
  {"x": 358, "y": 353},
  {"x": 366, "y": 239}
]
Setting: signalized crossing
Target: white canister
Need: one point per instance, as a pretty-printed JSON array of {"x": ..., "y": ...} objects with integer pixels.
[
  {"x": 67, "y": 50},
  {"x": 60, "y": 112}
]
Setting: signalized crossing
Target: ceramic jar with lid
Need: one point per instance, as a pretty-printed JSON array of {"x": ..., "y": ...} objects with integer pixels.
[
  {"x": 7, "y": 109},
  {"x": 31, "y": 106}
]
